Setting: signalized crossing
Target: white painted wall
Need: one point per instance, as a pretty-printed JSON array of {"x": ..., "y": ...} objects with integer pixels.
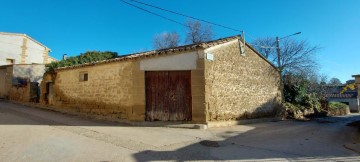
[
  {"x": 10, "y": 47},
  {"x": 182, "y": 61},
  {"x": 34, "y": 52},
  {"x": 33, "y": 72}
]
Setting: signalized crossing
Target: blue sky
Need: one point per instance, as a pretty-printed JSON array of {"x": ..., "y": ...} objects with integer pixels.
[{"x": 76, "y": 26}]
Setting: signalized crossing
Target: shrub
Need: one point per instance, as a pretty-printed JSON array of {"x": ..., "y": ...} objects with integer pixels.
[
  {"x": 337, "y": 105},
  {"x": 337, "y": 108}
]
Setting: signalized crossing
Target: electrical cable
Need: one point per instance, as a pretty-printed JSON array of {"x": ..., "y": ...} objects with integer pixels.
[
  {"x": 180, "y": 14},
  {"x": 143, "y": 9}
]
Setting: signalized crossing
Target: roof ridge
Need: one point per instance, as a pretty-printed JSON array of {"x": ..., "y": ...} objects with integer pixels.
[
  {"x": 27, "y": 36},
  {"x": 150, "y": 53}
]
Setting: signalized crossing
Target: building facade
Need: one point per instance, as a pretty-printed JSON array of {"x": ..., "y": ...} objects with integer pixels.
[
  {"x": 22, "y": 49},
  {"x": 198, "y": 83},
  {"x": 22, "y": 65},
  {"x": 19, "y": 82}
]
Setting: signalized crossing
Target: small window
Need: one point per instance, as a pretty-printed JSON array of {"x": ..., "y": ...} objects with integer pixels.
[
  {"x": 10, "y": 61},
  {"x": 84, "y": 76}
]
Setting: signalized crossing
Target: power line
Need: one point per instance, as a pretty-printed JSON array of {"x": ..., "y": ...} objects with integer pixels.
[
  {"x": 252, "y": 38},
  {"x": 180, "y": 14},
  {"x": 143, "y": 9}
]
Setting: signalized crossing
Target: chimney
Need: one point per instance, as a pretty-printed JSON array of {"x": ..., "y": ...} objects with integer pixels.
[
  {"x": 357, "y": 78},
  {"x": 64, "y": 56}
]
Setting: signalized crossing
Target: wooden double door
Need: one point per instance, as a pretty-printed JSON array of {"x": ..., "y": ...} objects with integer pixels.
[{"x": 168, "y": 95}]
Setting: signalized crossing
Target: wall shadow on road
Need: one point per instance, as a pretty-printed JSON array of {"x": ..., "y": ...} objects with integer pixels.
[
  {"x": 255, "y": 145},
  {"x": 16, "y": 114},
  {"x": 31, "y": 114},
  {"x": 264, "y": 141}
]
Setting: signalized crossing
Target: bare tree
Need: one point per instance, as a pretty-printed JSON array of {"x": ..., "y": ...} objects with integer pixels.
[
  {"x": 198, "y": 32},
  {"x": 266, "y": 46},
  {"x": 295, "y": 56},
  {"x": 166, "y": 40}
]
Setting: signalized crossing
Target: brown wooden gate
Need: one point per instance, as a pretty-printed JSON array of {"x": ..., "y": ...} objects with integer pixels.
[{"x": 168, "y": 95}]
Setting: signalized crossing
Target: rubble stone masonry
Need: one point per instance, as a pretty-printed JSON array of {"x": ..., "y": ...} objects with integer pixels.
[{"x": 239, "y": 86}]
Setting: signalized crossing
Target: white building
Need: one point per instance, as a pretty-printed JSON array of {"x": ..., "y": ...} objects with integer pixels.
[
  {"x": 22, "y": 49},
  {"x": 22, "y": 60}
]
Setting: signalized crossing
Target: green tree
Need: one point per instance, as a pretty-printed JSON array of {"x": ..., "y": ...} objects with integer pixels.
[{"x": 334, "y": 81}]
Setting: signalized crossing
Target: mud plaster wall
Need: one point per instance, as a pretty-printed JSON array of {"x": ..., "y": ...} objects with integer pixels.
[
  {"x": 239, "y": 86},
  {"x": 6, "y": 81},
  {"x": 108, "y": 93},
  {"x": 21, "y": 94}
]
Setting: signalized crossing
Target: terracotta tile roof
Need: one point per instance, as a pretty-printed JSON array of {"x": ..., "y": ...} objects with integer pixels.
[
  {"x": 167, "y": 51},
  {"x": 344, "y": 95}
]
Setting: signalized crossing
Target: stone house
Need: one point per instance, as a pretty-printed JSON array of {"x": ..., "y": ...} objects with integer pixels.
[
  {"x": 220, "y": 80},
  {"x": 22, "y": 49}
]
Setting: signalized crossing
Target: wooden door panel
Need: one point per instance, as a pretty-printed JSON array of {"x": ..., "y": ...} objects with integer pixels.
[{"x": 168, "y": 95}]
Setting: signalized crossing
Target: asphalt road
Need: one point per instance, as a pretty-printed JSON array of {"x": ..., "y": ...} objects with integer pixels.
[{"x": 31, "y": 134}]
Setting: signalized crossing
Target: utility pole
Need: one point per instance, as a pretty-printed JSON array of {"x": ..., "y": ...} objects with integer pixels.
[{"x": 280, "y": 69}]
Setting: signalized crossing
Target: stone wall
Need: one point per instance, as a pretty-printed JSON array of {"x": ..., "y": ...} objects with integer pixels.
[
  {"x": 239, "y": 86},
  {"x": 110, "y": 91}
]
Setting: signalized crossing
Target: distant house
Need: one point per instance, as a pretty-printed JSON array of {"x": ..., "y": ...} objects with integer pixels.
[
  {"x": 221, "y": 80},
  {"x": 349, "y": 97},
  {"x": 357, "y": 83},
  {"x": 22, "y": 65}
]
